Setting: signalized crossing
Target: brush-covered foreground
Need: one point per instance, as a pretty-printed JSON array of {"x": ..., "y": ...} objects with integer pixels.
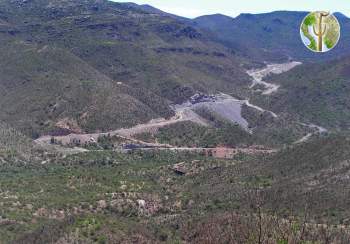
[{"x": 298, "y": 195}]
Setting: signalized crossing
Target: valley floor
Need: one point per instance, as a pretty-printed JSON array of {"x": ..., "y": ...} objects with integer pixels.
[
  {"x": 170, "y": 188},
  {"x": 223, "y": 105}
]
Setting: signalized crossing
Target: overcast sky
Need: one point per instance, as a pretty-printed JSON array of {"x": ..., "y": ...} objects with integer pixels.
[{"x": 195, "y": 8}]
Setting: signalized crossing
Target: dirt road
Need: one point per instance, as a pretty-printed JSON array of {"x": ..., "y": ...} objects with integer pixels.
[
  {"x": 319, "y": 130},
  {"x": 259, "y": 74},
  {"x": 183, "y": 114}
]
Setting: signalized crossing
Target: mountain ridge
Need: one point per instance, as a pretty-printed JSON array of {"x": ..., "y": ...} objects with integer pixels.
[{"x": 270, "y": 36}]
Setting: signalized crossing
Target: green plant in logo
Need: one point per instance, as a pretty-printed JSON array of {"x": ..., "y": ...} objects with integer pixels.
[{"x": 320, "y": 31}]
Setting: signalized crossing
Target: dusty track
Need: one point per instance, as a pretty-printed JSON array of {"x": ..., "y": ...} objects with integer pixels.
[
  {"x": 184, "y": 114},
  {"x": 320, "y": 130},
  {"x": 259, "y": 74}
]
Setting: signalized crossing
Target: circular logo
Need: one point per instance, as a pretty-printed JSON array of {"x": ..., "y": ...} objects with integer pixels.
[{"x": 320, "y": 31}]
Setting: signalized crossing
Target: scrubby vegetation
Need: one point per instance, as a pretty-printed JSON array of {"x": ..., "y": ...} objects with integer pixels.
[
  {"x": 316, "y": 93},
  {"x": 14, "y": 146},
  {"x": 267, "y": 131},
  {"x": 297, "y": 195},
  {"x": 103, "y": 70},
  {"x": 274, "y": 132},
  {"x": 86, "y": 66},
  {"x": 193, "y": 135}
]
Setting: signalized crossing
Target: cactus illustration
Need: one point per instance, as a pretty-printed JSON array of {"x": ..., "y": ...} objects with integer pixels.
[{"x": 320, "y": 33}]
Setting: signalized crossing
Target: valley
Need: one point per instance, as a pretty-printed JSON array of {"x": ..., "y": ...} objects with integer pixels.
[
  {"x": 121, "y": 123},
  {"x": 223, "y": 105}
]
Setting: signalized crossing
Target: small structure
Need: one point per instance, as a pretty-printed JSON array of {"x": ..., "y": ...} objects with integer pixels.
[
  {"x": 75, "y": 141},
  {"x": 131, "y": 146},
  {"x": 200, "y": 98},
  {"x": 180, "y": 169},
  {"x": 224, "y": 153}
]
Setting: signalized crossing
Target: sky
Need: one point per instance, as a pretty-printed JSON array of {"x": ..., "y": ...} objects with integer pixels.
[{"x": 195, "y": 8}]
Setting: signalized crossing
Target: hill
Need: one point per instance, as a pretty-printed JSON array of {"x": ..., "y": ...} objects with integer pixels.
[
  {"x": 314, "y": 173},
  {"x": 98, "y": 65},
  {"x": 318, "y": 93}
]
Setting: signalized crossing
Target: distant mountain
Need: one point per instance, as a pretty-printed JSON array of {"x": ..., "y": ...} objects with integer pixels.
[
  {"x": 270, "y": 36},
  {"x": 150, "y": 9}
]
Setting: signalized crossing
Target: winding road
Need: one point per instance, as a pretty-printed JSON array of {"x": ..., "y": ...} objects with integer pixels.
[
  {"x": 226, "y": 106},
  {"x": 183, "y": 114},
  {"x": 320, "y": 130},
  {"x": 259, "y": 74}
]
